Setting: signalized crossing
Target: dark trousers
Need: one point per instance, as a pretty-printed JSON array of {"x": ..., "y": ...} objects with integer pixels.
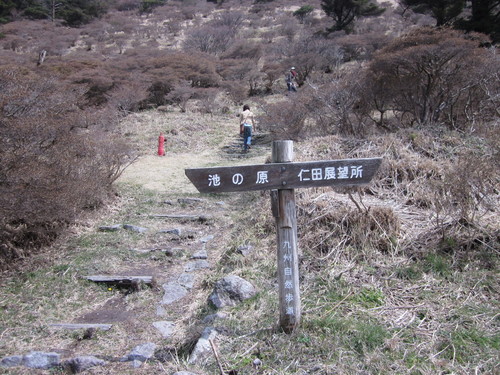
[{"x": 247, "y": 136}]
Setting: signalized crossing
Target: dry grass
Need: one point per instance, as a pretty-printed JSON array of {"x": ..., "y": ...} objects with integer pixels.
[
  {"x": 381, "y": 293},
  {"x": 383, "y": 289}
]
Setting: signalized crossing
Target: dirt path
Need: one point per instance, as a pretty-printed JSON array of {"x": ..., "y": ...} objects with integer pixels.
[
  {"x": 180, "y": 253},
  {"x": 216, "y": 145},
  {"x": 159, "y": 227}
]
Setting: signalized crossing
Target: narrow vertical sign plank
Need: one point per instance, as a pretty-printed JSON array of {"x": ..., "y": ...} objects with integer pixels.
[{"x": 287, "y": 254}]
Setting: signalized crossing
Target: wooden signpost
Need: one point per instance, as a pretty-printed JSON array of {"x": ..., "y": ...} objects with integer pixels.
[{"x": 281, "y": 177}]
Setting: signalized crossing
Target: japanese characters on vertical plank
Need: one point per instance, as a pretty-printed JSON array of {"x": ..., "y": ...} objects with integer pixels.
[{"x": 288, "y": 273}]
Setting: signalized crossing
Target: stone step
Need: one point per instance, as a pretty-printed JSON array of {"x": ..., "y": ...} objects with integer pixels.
[
  {"x": 121, "y": 281},
  {"x": 75, "y": 326},
  {"x": 201, "y": 218}
]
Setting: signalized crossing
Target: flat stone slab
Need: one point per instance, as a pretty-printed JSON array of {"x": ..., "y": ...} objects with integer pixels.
[
  {"x": 12, "y": 361},
  {"x": 196, "y": 265},
  {"x": 167, "y": 251},
  {"x": 190, "y": 200},
  {"x": 174, "y": 231},
  {"x": 110, "y": 228},
  {"x": 186, "y": 280},
  {"x": 142, "y": 352},
  {"x": 74, "y": 326},
  {"x": 207, "y": 238},
  {"x": 173, "y": 293},
  {"x": 135, "y": 228},
  {"x": 41, "y": 360},
  {"x": 201, "y": 218},
  {"x": 201, "y": 254},
  {"x": 166, "y": 328},
  {"x": 120, "y": 280},
  {"x": 150, "y": 250}
]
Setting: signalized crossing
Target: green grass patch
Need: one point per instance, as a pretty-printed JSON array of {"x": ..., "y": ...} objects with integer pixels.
[
  {"x": 355, "y": 334},
  {"x": 369, "y": 297},
  {"x": 410, "y": 273},
  {"x": 437, "y": 264},
  {"x": 465, "y": 343}
]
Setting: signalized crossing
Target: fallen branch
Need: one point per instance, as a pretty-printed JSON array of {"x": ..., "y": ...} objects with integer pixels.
[{"x": 216, "y": 357}]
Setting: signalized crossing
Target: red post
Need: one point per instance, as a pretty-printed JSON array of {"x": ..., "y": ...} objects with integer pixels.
[{"x": 161, "y": 145}]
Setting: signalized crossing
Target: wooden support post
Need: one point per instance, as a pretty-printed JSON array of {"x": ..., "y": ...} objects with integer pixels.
[{"x": 286, "y": 228}]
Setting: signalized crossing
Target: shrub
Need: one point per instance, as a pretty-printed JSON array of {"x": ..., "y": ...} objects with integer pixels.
[
  {"x": 209, "y": 39},
  {"x": 287, "y": 119},
  {"x": 303, "y": 12},
  {"x": 434, "y": 76},
  {"x": 147, "y": 6},
  {"x": 243, "y": 50},
  {"x": 126, "y": 5},
  {"x": 180, "y": 95},
  {"x": 157, "y": 94},
  {"x": 230, "y": 19},
  {"x": 337, "y": 98},
  {"x": 197, "y": 68},
  {"x": 166, "y": 72},
  {"x": 56, "y": 160},
  {"x": 467, "y": 186},
  {"x": 273, "y": 72}
]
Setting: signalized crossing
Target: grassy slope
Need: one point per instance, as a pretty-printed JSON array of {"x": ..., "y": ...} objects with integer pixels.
[{"x": 364, "y": 311}]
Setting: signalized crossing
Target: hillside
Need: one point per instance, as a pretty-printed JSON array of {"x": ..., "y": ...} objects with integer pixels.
[
  {"x": 365, "y": 307},
  {"x": 397, "y": 277}
]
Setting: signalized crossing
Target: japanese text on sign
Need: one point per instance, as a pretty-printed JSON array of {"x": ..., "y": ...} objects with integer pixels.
[
  {"x": 313, "y": 174},
  {"x": 330, "y": 173},
  {"x": 288, "y": 273}
]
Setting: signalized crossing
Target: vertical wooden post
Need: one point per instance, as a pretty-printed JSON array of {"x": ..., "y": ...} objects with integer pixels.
[{"x": 286, "y": 228}]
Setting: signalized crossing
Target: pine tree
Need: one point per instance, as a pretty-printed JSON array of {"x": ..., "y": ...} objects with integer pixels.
[
  {"x": 6, "y": 7},
  {"x": 345, "y": 12},
  {"x": 485, "y": 18},
  {"x": 481, "y": 15}
]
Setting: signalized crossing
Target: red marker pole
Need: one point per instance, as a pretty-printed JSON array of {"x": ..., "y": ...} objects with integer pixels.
[{"x": 161, "y": 145}]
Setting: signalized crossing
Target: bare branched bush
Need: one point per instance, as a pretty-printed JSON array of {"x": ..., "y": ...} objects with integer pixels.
[
  {"x": 243, "y": 75},
  {"x": 127, "y": 5},
  {"x": 237, "y": 90},
  {"x": 273, "y": 72},
  {"x": 209, "y": 39},
  {"x": 330, "y": 228},
  {"x": 435, "y": 76},
  {"x": 243, "y": 50},
  {"x": 180, "y": 95},
  {"x": 287, "y": 119},
  {"x": 54, "y": 163},
  {"x": 467, "y": 188},
  {"x": 168, "y": 71},
  {"x": 235, "y": 69},
  {"x": 337, "y": 99},
  {"x": 232, "y": 20},
  {"x": 126, "y": 97},
  {"x": 157, "y": 94}
]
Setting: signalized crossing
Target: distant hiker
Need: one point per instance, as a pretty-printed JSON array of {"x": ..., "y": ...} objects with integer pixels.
[
  {"x": 246, "y": 124},
  {"x": 41, "y": 57},
  {"x": 291, "y": 79}
]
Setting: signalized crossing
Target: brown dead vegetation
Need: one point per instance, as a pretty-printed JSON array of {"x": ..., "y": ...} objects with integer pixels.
[{"x": 430, "y": 215}]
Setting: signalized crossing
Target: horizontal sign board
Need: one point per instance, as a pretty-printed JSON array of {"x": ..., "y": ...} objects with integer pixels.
[{"x": 346, "y": 172}]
